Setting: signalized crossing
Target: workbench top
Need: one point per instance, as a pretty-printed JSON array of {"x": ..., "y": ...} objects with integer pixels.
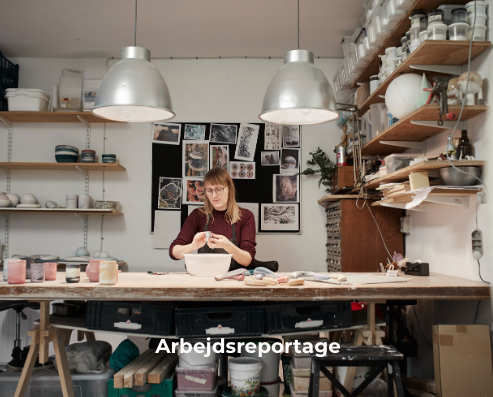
[{"x": 184, "y": 287}]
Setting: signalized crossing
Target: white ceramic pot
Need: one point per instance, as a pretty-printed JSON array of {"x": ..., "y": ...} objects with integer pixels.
[
  {"x": 245, "y": 376},
  {"x": 194, "y": 359},
  {"x": 207, "y": 265}
]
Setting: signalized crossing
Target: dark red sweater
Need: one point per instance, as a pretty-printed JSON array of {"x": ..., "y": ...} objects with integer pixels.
[{"x": 195, "y": 223}]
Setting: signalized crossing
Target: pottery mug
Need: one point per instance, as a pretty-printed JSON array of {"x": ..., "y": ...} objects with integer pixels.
[
  {"x": 71, "y": 201},
  {"x": 92, "y": 270},
  {"x": 72, "y": 273}
]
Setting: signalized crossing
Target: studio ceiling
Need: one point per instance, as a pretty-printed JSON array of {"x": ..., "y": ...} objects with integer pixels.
[{"x": 174, "y": 28}]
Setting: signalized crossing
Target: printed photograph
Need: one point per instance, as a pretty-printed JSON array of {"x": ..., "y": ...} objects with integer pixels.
[
  {"x": 223, "y": 133},
  {"x": 270, "y": 158},
  {"x": 166, "y": 133},
  {"x": 170, "y": 193},
  {"x": 195, "y": 158},
  {"x": 193, "y": 192},
  {"x": 279, "y": 217},
  {"x": 285, "y": 188},
  {"x": 272, "y": 136},
  {"x": 194, "y": 131},
  {"x": 291, "y": 136},
  {"x": 241, "y": 170},
  {"x": 220, "y": 157},
  {"x": 290, "y": 163},
  {"x": 247, "y": 142}
]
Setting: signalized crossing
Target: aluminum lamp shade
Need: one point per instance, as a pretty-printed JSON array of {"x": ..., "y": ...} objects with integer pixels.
[
  {"x": 299, "y": 93},
  {"x": 133, "y": 90}
]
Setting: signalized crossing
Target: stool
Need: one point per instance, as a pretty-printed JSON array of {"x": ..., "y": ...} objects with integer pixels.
[{"x": 358, "y": 356}]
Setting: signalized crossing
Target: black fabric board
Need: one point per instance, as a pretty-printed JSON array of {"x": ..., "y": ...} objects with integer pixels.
[{"x": 167, "y": 162}]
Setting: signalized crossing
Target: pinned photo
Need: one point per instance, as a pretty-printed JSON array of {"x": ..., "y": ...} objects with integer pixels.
[
  {"x": 290, "y": 161},
  {"x": 291, "y": 136},
  {"x": 279, "y": 217},
  {"x": 195, "y": 158},
  {"x": 166, "y": 133},
  {"x": 223, "y": 133},
  {"x": 220, "y": 157},
  {"x": 170, "y": 192},
  {"x": 272, "y": 136},
  {"x": 247, "y": 142},
  {"x": 285, "y": 188},
  {"x": 270, "y": 158},
  {"x": 194, "y": 131},
  {"x": 194, "y": 191},
  {"x": 242, "y": 170}
]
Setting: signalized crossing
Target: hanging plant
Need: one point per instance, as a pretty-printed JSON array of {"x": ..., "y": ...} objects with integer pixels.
[{"x": 325, "y": 168}]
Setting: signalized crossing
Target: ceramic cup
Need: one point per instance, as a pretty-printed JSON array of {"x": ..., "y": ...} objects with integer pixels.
[
  {"x": 50, "y": 271},
  {"x": 71, "y": 201},
  {"x": 88, "y": 156},
  {"x": 84, "y": 201},
  {"x": 92, "y": 270},
  {"x": 37, "y": 272},
  {"x": 17, "y": 271},
  {"x": 108, "y": 158},
  {"x": 108, "y": 272},
  {"x": 72, "y": 273}
]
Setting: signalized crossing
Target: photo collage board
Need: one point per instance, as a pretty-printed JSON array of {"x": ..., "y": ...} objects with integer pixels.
[{"x": 261, "y": 158}]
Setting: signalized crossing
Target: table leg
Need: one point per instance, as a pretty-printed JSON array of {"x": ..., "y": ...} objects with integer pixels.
[
  {"x": 62, "y": 363},
  {"x": 370, "y": 311},
  {"x": 90, "y": 336},
  {"x": 27, "y": 370},
  {"x": 351, "y": 371}
]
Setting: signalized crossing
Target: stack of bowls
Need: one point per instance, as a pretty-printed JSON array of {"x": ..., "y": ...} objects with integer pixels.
[
  {"x": 66, "y": 154},
  {"x": 109, "y": 158},
  {"x": 88, "y": 156}
]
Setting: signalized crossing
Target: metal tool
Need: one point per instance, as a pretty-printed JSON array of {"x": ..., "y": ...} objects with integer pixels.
[{"x": 439, "y": 90}]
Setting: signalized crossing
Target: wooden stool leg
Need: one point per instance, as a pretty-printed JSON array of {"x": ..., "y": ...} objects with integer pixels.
[
  {"x": 67, "y": 334},
  {"x": 62, "y": 364},
  {"x": 27, "y": 370},
  {"x": 351, "y": 371},
  {"x": 390, "y": 380},
  {"x": 398, "y": 379},
  {"x": 80, "y": 336},
  {"x": 90, "y": 336}
]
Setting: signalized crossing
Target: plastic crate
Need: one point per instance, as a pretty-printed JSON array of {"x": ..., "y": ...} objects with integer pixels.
[
  {"x": 395, "y": 162},
  {"x": 306, "y": 316},
  {"x": 181, "y": 393},
  {"x": 47, "y": 384},
  {"x": 163, "y": 389},
  {"x": 194, "y": 319},
  {"x": 192, "y": 379},
  {"x": 156, "y": 318},
  {"x": 9, "y": 78}
]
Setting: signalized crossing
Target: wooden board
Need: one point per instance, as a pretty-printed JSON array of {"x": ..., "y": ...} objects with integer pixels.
[
  {"x": 395, "y": 37},
  {"x": 163, "y": 369},
  {"x": 403, "y": 130},
  {"x": 53, "y": 117},
  {"x": 91, "y": 211},
  {"x": 430, "y": 52},
  {"x": 184, "y": 287},
  {"x": 129, "y": 370},
  {"x": 403, "y": 174},
  {"x": 336, "y": 197},
  {"x": 62, "y": 166},
  {"x": 141, "y": 374}
]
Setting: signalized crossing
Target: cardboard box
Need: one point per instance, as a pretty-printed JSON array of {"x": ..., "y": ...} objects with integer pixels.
[{"x": 462, "y": 360}]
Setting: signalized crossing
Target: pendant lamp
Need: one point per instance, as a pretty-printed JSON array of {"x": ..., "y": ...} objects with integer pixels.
[
  {"x": 133, "y": 90},
  {"x": 299, "y": 93}
]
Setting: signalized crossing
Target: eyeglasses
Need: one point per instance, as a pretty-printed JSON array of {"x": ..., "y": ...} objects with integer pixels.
[{"x": 219, "y": 191}]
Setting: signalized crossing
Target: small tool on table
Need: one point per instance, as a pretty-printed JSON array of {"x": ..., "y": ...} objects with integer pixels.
[{"x": 156, "y": 273}]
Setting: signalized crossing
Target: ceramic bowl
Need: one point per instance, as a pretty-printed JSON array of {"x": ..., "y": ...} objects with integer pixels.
[
  {"x": 82, "y": 251},
  {"x": 29, "y": 198},
  {"x": 88, "y": 156},
  {"x": 207, "y": 265},
  {"x": 108, "y": 158},
  {"x": 106, "y": 205},
  {"x": 66, "y": 154},
  {"x": 14, "y": 198},
  {"x": 5, "y": 202}
]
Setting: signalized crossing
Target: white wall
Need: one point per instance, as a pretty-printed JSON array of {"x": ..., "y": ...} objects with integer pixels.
[{"x": 202, "y": 90}]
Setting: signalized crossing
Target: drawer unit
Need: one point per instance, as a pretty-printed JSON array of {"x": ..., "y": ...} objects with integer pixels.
[{"x": 353, "y": 241}]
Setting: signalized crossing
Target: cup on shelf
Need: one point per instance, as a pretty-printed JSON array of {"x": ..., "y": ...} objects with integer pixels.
[
  {"x": 71, "y": 201},
  {"x": 88, "y": 156},
  {"x": 84, "y": 201},
  {"x": 108, "y": 158}
]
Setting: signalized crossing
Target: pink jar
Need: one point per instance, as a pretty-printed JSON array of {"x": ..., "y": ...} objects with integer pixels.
[
  {"x": 17, "y": 271},
  {"x": 92, "y": 270},
  {"x": 50, "y": 271}
]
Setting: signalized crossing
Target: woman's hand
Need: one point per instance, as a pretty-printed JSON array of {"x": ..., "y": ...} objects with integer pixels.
[
  {"x": 198, "y": 241},
  {"x": 218, "y": 241}
]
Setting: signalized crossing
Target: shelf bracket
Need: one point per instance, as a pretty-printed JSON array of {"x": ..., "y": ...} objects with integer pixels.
[
  {"x": 446, "y": 69},
  {"x": 6, "y": 122},
  {"x": 406, "y": 144},
  {"x": 6, "y": 171},
  {"x": 85, "y": 218},
  {"x": 457, "y": 201},
  {"x": 5, "y": 216},
  {"x": 82, "y": 170},
  {"x": 447, "y": 125},
  {"x": 7, "y": 234},
  {"x": 418, "y": 208},
  {"x": 84, "y": 121}
]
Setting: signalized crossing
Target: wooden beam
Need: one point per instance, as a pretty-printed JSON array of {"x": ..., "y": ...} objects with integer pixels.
[
  {"x": 141, "y": 374},
  {"x": 163, "y": 369}
]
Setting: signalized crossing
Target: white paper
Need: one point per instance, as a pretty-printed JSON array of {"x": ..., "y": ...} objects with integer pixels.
[
  {"x": 167, "y": 225},
  {"x": 291, "y": 136},
  {"x": 368, "y": 278},
  {"x": 422, "y": 193},
  {"x": 279, "y": 217},
  {"x": 272, "y": 136},
  {"x": 242, "y": 170},
  {"x": 247, "y": 142},
  {"x": 166, "y": 133},
  {"x": 253, "y": 207}
]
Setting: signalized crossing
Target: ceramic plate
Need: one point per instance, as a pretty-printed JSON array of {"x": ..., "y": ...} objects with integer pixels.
[{"x": 28, "y": 206}]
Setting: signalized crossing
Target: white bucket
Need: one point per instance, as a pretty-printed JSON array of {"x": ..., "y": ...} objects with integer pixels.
[
  {"x": 270, "y": 360},
  {"x": 193, "y": 359},
  {"x": 273, "y": 387},
  {"x": 245, "y": 376}
]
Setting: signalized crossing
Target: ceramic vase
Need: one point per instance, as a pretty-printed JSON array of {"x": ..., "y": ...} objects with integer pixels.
[
  {"x": 17, "y": 271},
  {"x": 37, "y": 272},
  {"x": 84, "y": 201},
  {"x": 50, "y": 271},
  {"x": 72, "y": 273},
  {"x": 92, "y": 270}
]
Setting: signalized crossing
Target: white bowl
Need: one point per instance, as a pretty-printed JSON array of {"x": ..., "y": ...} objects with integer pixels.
[
  {"x": 207, "y": 265},
  {"x": 194, "y": 359},
  {"x": 5, "y": 203},
  {"x": 29, "y": 198}
]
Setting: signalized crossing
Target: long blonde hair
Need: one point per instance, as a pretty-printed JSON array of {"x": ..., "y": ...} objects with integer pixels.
[{"x": 218, "y": 176}]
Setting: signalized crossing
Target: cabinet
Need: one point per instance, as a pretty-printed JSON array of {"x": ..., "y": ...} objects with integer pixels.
[
  {"x": 353, "y": 240},
  {"x": 342, "y": 179}
]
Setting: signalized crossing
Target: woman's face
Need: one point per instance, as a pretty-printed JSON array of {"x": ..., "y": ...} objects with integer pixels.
[{"x": 218, "y": 196}]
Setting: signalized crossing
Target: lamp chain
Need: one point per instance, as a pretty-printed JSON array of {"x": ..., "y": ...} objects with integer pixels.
[
  {"x": 135, "y": 32},
  {"x": 298, "y": 24}
]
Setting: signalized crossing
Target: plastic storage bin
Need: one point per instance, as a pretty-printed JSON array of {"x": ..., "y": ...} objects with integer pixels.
[
  {"x": 47, "y": 384},
  {"x": 296, "y": 393},
  {"x": 221, "y": 318},
  {"x": 437, "y": 31},
  {"x": 9, "y": 78},
  {"x": 197, "y": 379},
  {"x": 459, "y": 15},
  {"x": 479, "y": 33},
  {"x": 395, "y": 162},
  {"x": 481, "y": 19},
  {"x": 137, "y": 317},
  {"x": 27, "y": 100},
  {"x": 181, "y": 393},
  {"x": 458, "y": 31},
  {"x": 163, "y": 389},
  {"x": 306, "y": 316},
  {"x": 301, "y": 379},
  {"x": 481, "y": 7}
]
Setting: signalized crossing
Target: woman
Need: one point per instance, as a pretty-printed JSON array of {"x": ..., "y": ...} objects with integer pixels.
[{"x": 232, "y": 227}]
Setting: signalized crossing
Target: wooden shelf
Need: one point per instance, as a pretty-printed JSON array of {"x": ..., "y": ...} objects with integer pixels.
[
  {"x": 431, "y": 52},
  {"x": 403, "y": 130},
  {"x": 395, "y": 37},
  {"x": 403, "y": 174},
  {"x": 91, "y": 211},
  {"x": 62, "y": 166},
  {"x": 335, "y": 197},
  {"x": 53, "y": 117}
]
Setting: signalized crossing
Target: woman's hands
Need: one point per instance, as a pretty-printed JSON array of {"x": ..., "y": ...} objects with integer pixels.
[
  {"x": 218, "y": 241},
  {"x": 198, "y": 241}
]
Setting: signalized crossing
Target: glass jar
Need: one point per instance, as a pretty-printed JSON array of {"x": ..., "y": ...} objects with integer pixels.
[
  {"x": 458, "y": 31},
  {"x": 436, "y": 16},
  {"x": 416, "y": 18},
  {"x": 423, "y": 24},
  {"x": 459, "y": 15},
  {"x": 437, "y": 31}
]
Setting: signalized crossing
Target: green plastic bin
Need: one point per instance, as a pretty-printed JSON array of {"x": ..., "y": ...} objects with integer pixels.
[{"x": 163, "y": 389}]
